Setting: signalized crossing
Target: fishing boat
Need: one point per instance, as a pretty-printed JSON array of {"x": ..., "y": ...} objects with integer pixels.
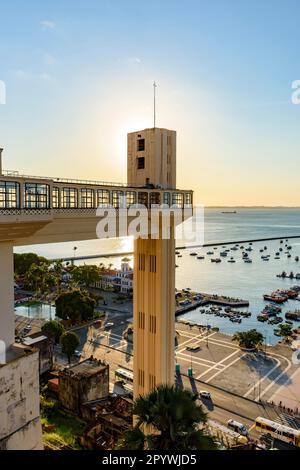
[
  {"x": 293, "y": 315},
  {"x": 274, "y": 298},
  {"x": 262, "y": 318}
]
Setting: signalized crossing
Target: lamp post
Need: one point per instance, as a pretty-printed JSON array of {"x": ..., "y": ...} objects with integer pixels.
[{"x": 74, "y": 249}]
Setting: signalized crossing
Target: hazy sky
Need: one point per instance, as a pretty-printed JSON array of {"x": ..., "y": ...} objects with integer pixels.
[{"x": 79, "y": 76}]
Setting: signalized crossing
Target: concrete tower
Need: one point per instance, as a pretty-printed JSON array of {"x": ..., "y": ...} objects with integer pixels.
[{"x": 152, "y": 162}]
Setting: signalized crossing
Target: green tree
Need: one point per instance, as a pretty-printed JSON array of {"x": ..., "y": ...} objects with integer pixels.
[
  {"x": 39, "y": 279},
  {"x": 173, "y": 418},
  {"x": 285, "y": 330},
  {"x": 57, "y": 270},
  {"x": 54, "y": 330},
  {"x": 86, "y": 275},
  {"x": 248, "y": 339},
  {"x": 69, "y": 341},
  {"x": 75, "y": 305},
  {"x": 23, "y": 262}
]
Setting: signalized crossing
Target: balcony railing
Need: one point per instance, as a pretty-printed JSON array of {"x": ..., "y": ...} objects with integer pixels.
[{"x": 29, "y": 193}]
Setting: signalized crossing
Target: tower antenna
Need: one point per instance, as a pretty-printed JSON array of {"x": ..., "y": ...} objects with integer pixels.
[{"x": 154, "y": 103}]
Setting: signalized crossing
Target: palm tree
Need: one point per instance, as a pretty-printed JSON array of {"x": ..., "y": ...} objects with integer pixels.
[
  {"x": 58, "y": 269},
  {"x": 174, "y": 421}
]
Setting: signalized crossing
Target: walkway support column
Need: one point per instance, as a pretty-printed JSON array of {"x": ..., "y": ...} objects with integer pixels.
[
  {"x": 154, "y": 310},
  {"x": 7, "y": 317}
]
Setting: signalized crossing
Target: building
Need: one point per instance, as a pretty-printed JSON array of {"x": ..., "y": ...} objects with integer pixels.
[
  {"x": 35, "y": 210},
  {"x": 84, "y": 382},
  {"x": 44, "y": 346},
  {"x": 119, "y": 280},
  {"x": 20, "y": 426},
  {"x": 152, "y": 163}
]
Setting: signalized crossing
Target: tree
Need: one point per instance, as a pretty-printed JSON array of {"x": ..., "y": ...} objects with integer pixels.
[
  {"x": 86, "y": 275},
  {"x": 285, "y": 330},
  {"x": 173, "y": 419},
  {"x": 248, "y": 339},
  {"x": 57, "y": 270},
  {"x": 54, "y": 329},
  {"x": 69, "y": 341},
  {"x": 75, "y": 305},
  {"x": 23, "y": 262},
  {"x": 39, "y": 279}
]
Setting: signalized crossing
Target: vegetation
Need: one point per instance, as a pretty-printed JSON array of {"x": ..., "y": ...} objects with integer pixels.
[
  {"x": 75, "y": 305},
  {"x": 60, "y": 428},
  {"x": 23, "y": 262},
  {"x": 285, "y": 330},
  {"x": 39, "y": 279},
  {"x": 69, "y": 341},
  {"x": 173, "y": 418},
  {"x": 54, "y": 330},
  {"x": 249, "y": 339},
  {"x": 86, "y": 275}
]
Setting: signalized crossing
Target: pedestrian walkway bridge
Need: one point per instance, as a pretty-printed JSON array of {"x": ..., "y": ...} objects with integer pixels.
[{"x": 45, "y": 210}]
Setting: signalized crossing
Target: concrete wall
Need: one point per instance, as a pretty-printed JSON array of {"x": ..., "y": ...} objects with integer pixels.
[
  {"x": 73, "y": 391},
  {"x": 20, "y": 426},
  {"x": 159, "y": 155}
]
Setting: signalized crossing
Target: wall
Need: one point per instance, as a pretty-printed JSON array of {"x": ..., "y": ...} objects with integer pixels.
[{"x": 20, "y": 426}]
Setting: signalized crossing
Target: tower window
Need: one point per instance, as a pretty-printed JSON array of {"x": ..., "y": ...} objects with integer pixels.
[
  {"x": 140, "y": 145},
  {"x": 140, "y": 163}
]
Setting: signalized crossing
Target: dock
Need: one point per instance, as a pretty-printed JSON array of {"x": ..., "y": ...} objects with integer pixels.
[{"x": 207, "y": 299}]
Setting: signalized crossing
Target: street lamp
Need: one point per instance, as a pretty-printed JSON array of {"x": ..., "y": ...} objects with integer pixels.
[{"x": 74, "y": 249}]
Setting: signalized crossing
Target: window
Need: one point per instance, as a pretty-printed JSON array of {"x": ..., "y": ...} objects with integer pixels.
[
  {"x": 167, "y": 198},
  {"x": 117, "y": 199},
  {"x": 142, "y": 261},
  {"x": 188, "y": 198},
  {"x": 55, "y": 198},
  {"x": 103, "y": 198},
  {"x": 87, "y": 198},
  {"x": 130, "y": 198},
  {"x": 142, "y": 320},
  {"x": 141, "y": 377},
  {"x": 36, "y": 196},
  {"x": 9, "y": 195},
  {"x": 177, "y": 199},
  {"x": 143, "y": 199},
  {"x": 140, "y": 163},
  {"x": 140, "y": 145},
  {"x": 152, "y": 381},
  {"x": 152, "y": 264},
  {"x": 154, "y": 198},
  {"x": 152, "y": 324},
  {"x": 69, "y": 198}
]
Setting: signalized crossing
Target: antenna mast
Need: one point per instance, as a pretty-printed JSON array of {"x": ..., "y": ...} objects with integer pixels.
[{"x": 154, "y": 103}]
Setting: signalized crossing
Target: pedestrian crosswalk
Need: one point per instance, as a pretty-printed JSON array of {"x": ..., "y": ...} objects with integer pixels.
[{"x": 288, "y": 420}]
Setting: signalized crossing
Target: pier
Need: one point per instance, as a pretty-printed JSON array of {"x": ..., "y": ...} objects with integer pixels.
[{"x": 207, "y": 299}]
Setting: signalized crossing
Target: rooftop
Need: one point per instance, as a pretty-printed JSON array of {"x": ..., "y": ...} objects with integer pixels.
[{"x": 87, "y": 368}]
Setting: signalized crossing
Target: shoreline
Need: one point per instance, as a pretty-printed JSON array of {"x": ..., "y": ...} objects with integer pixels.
[{"x": 204, "y": 245}]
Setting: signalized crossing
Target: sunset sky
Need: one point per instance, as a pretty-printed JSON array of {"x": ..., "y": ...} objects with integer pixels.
[{"x": 79, "y": 76}]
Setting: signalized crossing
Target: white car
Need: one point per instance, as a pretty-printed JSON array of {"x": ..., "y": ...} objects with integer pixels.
[{"x": 205, "y": 394}]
